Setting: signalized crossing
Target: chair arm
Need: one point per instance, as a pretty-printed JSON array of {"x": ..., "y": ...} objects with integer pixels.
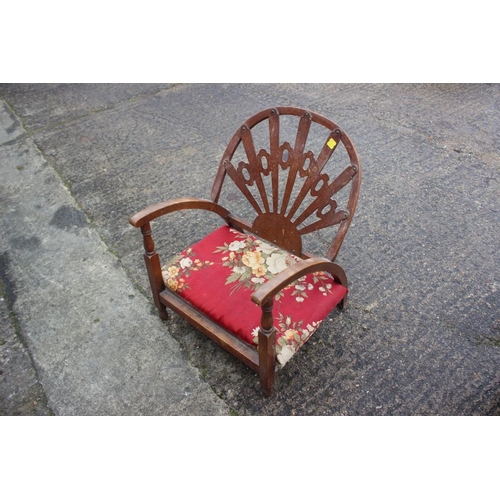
[
  {"x": 166, "y": 207},
  {"x": 269, "y": 289}
]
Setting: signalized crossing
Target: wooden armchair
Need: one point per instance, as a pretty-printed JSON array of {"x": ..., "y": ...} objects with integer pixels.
[{"x": 249, "y": 285}]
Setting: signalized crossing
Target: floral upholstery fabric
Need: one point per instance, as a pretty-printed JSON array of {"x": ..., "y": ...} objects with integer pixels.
[{"x": 219, "y": 274}]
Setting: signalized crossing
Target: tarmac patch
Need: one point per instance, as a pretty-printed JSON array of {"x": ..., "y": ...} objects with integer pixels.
[
  {"x": 31, "y": 243},
  {"x": 67, "y": 217},
  {"x": 8, "y": 284}
]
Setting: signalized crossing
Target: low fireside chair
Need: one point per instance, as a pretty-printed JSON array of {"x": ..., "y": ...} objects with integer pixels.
[{"x": 250, "y": 285}]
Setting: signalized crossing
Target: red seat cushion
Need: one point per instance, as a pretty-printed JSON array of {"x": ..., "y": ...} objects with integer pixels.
[{"x": 219, "y": 274}]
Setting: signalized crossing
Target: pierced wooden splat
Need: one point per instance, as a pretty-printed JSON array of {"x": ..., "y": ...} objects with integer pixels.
[{"x": 301, "y": 195}]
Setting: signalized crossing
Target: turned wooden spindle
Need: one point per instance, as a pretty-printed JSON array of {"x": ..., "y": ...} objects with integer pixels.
[
  {"x": 267, "y": 348},
  {"x": 152, "y": 260}
]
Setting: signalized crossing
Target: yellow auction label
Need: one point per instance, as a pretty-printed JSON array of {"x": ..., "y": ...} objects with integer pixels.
[{"x": 331, "y": 143}]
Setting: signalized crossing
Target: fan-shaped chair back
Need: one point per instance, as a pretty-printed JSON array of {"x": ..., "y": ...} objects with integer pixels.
[{"x": 286, "y": 184}]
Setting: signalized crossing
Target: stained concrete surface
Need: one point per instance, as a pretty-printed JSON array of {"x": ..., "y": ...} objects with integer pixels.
[
  {"x": 68, "y": 300},
  {"x": 421, "y": 334}
]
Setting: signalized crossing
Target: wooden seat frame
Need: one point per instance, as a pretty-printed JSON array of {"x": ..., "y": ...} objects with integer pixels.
[{"x": 274, "y": 223}]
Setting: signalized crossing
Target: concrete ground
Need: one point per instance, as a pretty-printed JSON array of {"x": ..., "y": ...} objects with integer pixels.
[{"x": 421, "y": 333}]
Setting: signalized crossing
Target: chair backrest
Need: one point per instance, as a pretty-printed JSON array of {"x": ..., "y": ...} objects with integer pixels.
[{"x": 286, "y": 184}]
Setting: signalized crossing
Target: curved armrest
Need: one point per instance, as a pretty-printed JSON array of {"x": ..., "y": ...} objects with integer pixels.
[
  {"x": 155, "y": 211},
  {"x": 268, "y": 290}
]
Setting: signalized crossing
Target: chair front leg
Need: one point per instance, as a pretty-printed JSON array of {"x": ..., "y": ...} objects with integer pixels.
[
  {"x": 153, "y": 266},
  {"x": 267, "y": 348}
]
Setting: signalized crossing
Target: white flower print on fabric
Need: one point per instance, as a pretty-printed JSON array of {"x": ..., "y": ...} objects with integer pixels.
[
  {"x": 236, "y": 245},
  {"x": 278, "y": 261},
  {"x": 176, "y": 271},
  {"x": 252, "y": 261},
  {"x": 187, "y": 262},
  {"x": 285, "y": 354},
  {"x": 290, "y": 336}
]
